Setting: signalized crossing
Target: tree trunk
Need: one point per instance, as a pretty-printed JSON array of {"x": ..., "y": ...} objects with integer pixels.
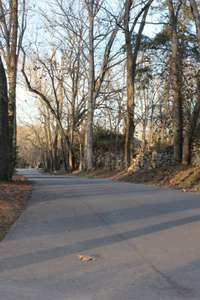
[
  {"x": 91, "y": 86},
  {"x": 196, "y": 112},
  {"x": 71, "y": 137},
  {"x": 191, "y": 128},
  {"x": 71, "y": 160},
  {"x": 12, "y": 81},
  {"x": 81, "y": 163},
  {"x": 55, "y": 152},
  {"x": 4, "y": 130},
  {"x": 65, "y": 161},
  {"x": 186, "y": 147},
  {"x": 129, "y": 131},
  {"x": 131, "y": 60},
  {"x": 175, "y": 72}
]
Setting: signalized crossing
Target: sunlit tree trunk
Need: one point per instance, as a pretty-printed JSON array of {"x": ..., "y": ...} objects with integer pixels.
[
  {"x": 131, "y": 60},
  {"x": 175, "y": 72},
  {"x": 91, "y": 86},
  {"x": 190, "y": 129},
  {"x": 129, "y": 131},
  {"x": 12, "y": 82}
]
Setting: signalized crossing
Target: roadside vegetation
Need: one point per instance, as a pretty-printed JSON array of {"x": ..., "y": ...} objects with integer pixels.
[
  {"x": 184, "y": 178},
  {"x": 13, "y": 199}
]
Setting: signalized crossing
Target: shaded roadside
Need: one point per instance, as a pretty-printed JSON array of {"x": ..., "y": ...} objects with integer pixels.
[
  {"x": 13, "y": 199},
  {"x": 179, "y": 177}
]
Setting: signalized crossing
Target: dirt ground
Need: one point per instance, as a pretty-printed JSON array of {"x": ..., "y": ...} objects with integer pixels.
[
  {"x": 178, "y": 177},
  {"x": 13, "y": 199}
]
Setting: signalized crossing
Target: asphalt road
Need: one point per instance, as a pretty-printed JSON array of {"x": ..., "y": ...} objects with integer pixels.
[{"x": 145, "y": 241}]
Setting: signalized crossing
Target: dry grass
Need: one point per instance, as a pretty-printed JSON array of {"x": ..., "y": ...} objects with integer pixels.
[
  {"x": 13, "y": 199},
  {"x": 178, "y": 177}
]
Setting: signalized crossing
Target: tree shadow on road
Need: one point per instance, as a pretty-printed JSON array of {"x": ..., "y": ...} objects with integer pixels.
[
  {"x": 47, "y": 224},
  {"x": 41, "y": 256}
]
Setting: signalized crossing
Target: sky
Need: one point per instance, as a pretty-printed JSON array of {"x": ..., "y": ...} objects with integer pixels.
[{"x": 26, "y": 106}]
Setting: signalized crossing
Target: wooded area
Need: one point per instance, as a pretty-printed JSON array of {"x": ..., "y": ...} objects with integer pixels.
[{"x": 112, "y": 82}]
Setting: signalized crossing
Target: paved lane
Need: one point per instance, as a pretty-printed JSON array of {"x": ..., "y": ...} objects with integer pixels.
[{"x": 145, "y": 240}]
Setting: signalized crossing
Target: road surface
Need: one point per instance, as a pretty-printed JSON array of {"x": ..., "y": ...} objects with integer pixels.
[{"x": 145, "y": 242}]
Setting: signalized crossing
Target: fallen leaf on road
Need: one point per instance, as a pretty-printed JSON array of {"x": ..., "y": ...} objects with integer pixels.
[{"x": 86, "y": 258}]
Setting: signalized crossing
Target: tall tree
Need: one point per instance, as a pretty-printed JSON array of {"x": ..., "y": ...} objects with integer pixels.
[
  {"x": 4, "y": 132},
  {"x": 92, "y": 9},
  {"x": 12, "y": 59},
  {"x": 132, "y": 51},
  {"x": 191, "y": 129},
  {"x": 175, "y": 72},
  {"x": 12, "y": 36}
]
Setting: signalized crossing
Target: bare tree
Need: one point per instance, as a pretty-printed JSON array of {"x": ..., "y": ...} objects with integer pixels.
[
  {"x": 175, "y": 72},
  {"x": 12, "y": 26},
  {"x": 131, "y": 60}
]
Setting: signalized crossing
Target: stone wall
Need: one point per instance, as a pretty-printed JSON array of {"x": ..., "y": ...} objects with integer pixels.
[
  {"x": 109, "y": 161},
  {"x": 152, "y": 159},
  {"x": 196, "y": 154}
]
